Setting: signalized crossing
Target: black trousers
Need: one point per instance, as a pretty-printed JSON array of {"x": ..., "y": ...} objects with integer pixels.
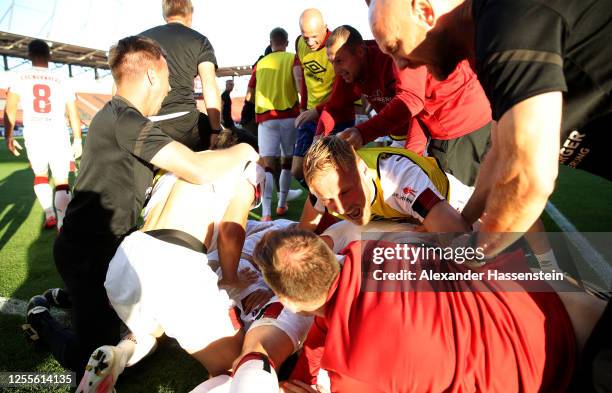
[
  {"x": 82, "y": 264},
  {"x": 461, "y": 157},
  {"x": 192, "y": 130}
]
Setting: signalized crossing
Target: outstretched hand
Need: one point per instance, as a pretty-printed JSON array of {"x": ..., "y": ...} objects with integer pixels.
[{"x": 352, "y": 136}]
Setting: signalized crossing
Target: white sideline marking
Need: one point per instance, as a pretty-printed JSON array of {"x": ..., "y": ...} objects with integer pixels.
[
  {"x": 590, "y": 254},
  {"x": 18, "y": 307}
]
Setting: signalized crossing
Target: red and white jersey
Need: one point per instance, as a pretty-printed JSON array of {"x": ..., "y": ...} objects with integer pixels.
[{"x": 42, "y": 96}]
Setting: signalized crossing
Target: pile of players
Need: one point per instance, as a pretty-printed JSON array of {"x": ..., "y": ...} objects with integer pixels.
[{"x": 244, "y": 296}]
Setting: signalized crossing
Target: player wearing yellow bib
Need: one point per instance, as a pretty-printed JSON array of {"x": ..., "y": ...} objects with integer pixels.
[
  {"x": 316, "y": 74},
  {"x": 273, "y": 90},
  {"x": 381, "y": 183}
]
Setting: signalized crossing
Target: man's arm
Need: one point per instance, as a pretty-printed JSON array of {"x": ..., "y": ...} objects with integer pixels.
[
  {"x": 206, "y": 166},
  {"x": 475, "y": 206},
  {"x": 523, "y": 177},
  {"x": 310, "y": 218},
  {"x": 10, "y": 118},
  {"x": 442, "y": 218},
  {"x": 395, "y": 117},
  {"x": 339, "y": 107},
  {"x": 212, "y": 96},
  {"x": 232, "y": 232},
  {"x": 250, "y": 95},
  {"x": 75, "y": 125}
]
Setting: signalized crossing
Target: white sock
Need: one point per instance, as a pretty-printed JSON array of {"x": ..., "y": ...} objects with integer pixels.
[
  {"x": 218, "y": 384},
  {"x": 44, "y": 193},
  {"x": 285, "y": 182},
  {"x": 62, "y": 198},
  {"x": 548, "y": 261},
  {"x": 266, "y": 205},
  {"x": 255, "y": 372},
  {"x": 137, "y": 348}
]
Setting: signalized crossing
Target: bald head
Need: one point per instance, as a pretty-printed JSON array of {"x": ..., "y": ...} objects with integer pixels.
[
  {"x": 313, "y": 28},
  {"x": 418, "y": 32}
]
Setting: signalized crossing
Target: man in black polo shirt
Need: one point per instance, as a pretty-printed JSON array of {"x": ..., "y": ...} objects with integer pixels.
[
  {"x": 122, "y": 150},
  {"x": 189, "y": 54},
  {"x": 546, "y": 68}
]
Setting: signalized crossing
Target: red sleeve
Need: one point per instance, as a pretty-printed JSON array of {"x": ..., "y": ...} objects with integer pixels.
[
  {"x": 409, "y": 100},
  {"x": 303, "y": 91},
  {"x": 309, "y": 362},
  {"x": 416, "y": 139},
  {"x": 253, "y": 80},
  {"x": 338, "y": 108}
]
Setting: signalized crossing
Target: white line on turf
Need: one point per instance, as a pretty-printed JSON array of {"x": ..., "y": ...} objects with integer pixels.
[{"x": 588, "y": 252}]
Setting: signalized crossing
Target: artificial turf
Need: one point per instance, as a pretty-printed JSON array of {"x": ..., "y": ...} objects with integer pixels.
[{"x": 27, "y": 269}]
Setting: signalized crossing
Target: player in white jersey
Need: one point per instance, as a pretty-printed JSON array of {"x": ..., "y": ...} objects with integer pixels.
[{"x": 44, "y": 98}]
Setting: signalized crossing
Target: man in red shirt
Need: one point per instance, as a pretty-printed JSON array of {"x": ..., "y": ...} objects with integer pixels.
[
  {"x": 378, "y": 336},
  {"x": 455, "y": 113}
]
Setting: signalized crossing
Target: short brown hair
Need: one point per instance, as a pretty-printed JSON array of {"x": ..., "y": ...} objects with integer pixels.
[
  {"x": 330, "y": 152},
  {"x": 296, "y": 264},
  {"x": 350, "y": 35},
  {"x": 132, "y": 55},
  {"x": 176, "y": 7}
]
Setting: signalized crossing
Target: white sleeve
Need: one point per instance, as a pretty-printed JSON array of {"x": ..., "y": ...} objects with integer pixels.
[
  {"x": 403, "y": 182},
  {"x": 342, "y": 234}
]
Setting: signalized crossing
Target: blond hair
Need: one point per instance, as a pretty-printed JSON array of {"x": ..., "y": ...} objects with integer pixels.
[{"x": 328, "y": 153}]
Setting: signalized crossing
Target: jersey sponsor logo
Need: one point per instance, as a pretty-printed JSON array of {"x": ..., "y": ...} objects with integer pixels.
[
  {"x": 314, "y": 67},
  {"x": 409, "y": 190},
  {"x": 378, "y": 96},
  {"x": 571, "y": 150},
  {"x": 407, "y": 197}
]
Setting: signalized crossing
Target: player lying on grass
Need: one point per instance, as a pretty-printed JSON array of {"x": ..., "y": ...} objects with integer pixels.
[
  {"x": 159, "y": 281},
  {"x": 392, "y": 184},
  {"x": 430, "y": 340},
  {"x": 380, "y": 183}
]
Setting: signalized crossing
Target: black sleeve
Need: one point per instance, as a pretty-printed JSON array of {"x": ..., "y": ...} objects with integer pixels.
[
  {"x": 519, "y": 51},
  {"x": 140, "y": 136},
  {"x": 207, "y": 53}
]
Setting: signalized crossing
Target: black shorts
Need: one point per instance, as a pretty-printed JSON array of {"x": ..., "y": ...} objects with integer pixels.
[
  {"x": 191, "y": 129},
  {"x": 461, "y": 157}
]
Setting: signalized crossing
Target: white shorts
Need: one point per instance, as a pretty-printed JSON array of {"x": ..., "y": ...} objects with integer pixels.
[
  {"x": 155, "y": 286},
  {"x": 276, "y": 138},
  {"x": 49, "y": 151}
]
